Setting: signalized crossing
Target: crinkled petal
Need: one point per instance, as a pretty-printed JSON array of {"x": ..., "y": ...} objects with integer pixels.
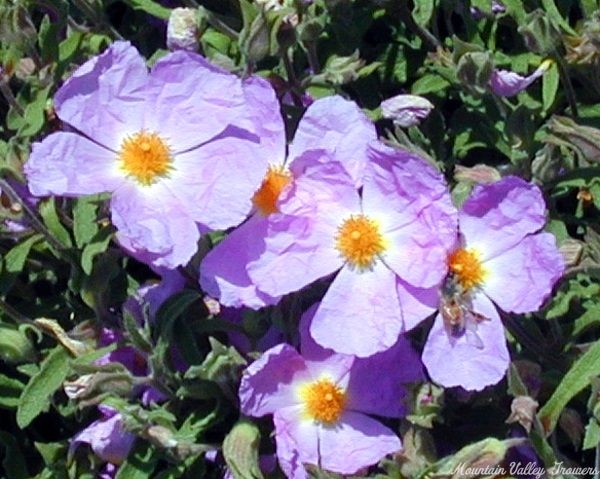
[
  {"x": 296, "y": 254},
  {"x": 153, "y": 226},
  {"x": 335, "y": 367},
  {"x": 497, "y": 216},
  {"x": 463, "y": 362},
  {"x": 339, "y": 127},
  {"x": 411, "y": 203},
  {"x": 191, "y": 101},
  {"x": 521, "y": 279},
  {"x": 399, "y": 185},
  {"x": 300, "y": 244},
  {"x": 105, "y": 97},
  {"x": 215, "y": 182},
  {"x": 416, "y": 303},
  {"x": 68, "y": 164},
  {"x": 415, "y": 255},
  {"x": 297, "y": 442},
  {"x": 310, "y": 349},
  {"x": 357, "y": 441},
  {"x": 383, "y": 395},
  {"x": 265, "y": 118},
  {"x": 268, "y": 384},
  {"x": 223, "y": 272},
  {"x": 360, "y": 313}
]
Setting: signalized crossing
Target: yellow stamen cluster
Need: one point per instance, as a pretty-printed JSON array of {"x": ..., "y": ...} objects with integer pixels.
[
  {"x": 146, "y": 157},
  {"x": 359, "y": 241},
  {"x": 467, "y": 267},
  {"x": 323, "y": 401},
  {"x": 265, "y": 199}
]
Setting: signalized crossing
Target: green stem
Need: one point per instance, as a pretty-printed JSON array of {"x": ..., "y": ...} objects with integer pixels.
[
  {"x": 33, "y": 219},
  {"x": 421, "y": 32}
]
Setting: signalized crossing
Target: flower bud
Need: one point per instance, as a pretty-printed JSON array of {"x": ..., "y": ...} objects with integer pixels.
[
  {"x": 522, "y": 410},
  {"x": 540, "y": 34},
  {"x": 182, "y": 30},
  {"x": 508, "y": 83},
  {"x": 406, "y": 110}
]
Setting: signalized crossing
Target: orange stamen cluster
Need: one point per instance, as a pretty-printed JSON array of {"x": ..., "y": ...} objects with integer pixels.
[
  {"x": 359, "y": 241},
  {"x": 265, "y": 199},
  {"x": 467, "y": 267},
  {"x": 146, "y": 157},
  {"x": 324, "y": 401}
]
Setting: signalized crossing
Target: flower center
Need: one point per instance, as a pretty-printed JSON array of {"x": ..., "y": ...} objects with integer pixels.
[
  {"x": 359, "y": 241},
  {"x": 467, "y": 267},
  {"x": 276, "y": 179},
  {"x": 146, "y": 157},
  {"x": 324, "y": 401}
]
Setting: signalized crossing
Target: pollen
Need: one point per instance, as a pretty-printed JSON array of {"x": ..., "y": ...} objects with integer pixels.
[
  {"x": 323, "y": 401},
  {"x": 265, "y": 198},
  {"x": 360, "y": 241},
  {"x": 467, "y": 267},
  {"x": 146, "y": 157}
]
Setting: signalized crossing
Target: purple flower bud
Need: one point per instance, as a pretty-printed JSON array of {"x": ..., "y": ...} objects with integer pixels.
[
  {"x": 508, "y": 83},
  {"x": 406, "y": 110}
]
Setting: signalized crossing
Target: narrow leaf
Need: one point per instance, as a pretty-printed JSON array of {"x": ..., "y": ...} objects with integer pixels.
[
  {"x": 153, "y": 8},
  {"x": 575, "y": 381},
  {"x": 36, "y": 395},
  {"x": 52, "y": 222}
]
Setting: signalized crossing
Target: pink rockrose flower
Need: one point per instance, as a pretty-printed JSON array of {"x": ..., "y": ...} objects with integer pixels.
[
  {"x": 381, "y": 245},
  {"x": 168, "y": 144},
  {"x": 508, "y": 83},
  {"x": 501, "y": 259},
  {"x": 332, "y": 128},
  {"x": 321, "y": 401}
]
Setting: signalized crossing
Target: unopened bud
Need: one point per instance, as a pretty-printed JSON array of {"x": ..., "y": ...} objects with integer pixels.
[
  {"x": 406, "y": 110},
  {"x": 182, "y": 30},
  {"x": 522, "y": 410}
]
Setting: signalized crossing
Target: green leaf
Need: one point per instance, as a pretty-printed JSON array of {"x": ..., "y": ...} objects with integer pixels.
[
  {"x": 153, "y": 8},
  {"x": 84, "y": 219},
  {"x": 138, "y": 335},
  {"x": 429, "y": 84},
  {"x": 176, "y": 305},
  {"x": 97, "y": 245},
  {"x": 516, "y": 9},
  {"x": 36, "y": 395},
  {"x": 240, "y": 449},
  {"x": 550, "y": 82},
  {"x": 483, "y": 5},
  {"x": 140, "y": 464},
  {"x": 592, "y": 434},
  {"x": 52, "y": 221},
  {"x": 556, "y": 17},
  {"x": 51, "y": 452},
  {"x": 590, "y": 318},
  {"x": 14, "y": 261},
  {"x": 423, "y": 11},
  {"x": 10, "y": 391},
  {"x": 576, "y": 379}
]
